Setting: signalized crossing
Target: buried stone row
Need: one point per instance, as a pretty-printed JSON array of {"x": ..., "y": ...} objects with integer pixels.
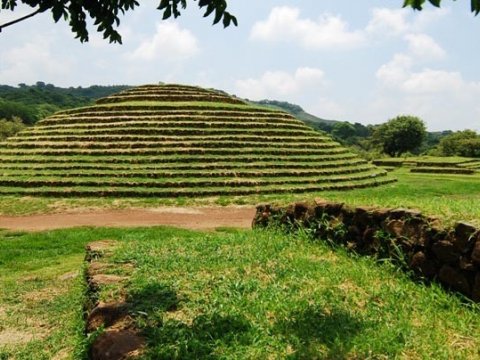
[{"x": 450, "y": 255}]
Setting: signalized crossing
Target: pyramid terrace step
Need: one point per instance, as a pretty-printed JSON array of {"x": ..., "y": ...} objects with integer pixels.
[
  {"x": 170, "y": 98},
  {"x": 179, "y": 151},
  {"x": 26, "y": 138},
  {"x": 183, "y": 182},
  {"x": 191, "y": 192},
  {"x": 169, "y": 118},
  {"x": 165, "y": 145},
  {"x": 159, "y": 106},
  {"x": 169, "y": 159},
  {"x": 204, "y": 173},
  {"x": 177, "y": 166}
]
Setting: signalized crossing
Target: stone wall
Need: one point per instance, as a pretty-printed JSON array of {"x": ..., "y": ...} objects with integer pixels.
[{"x": 417, "y": 242}]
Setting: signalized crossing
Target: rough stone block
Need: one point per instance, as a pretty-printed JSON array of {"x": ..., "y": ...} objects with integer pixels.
[
  {"x": 476, "y": 288},
  {"x": 476, "y": 252},
  {"x": 422, "y": 264},
  {"x": 464, "y": 236},
  {"x": 455, "y": 279},
  {"x": 446, "y": 252}
]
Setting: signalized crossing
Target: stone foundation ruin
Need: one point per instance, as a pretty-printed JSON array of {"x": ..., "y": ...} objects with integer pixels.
[{"x": 449, "y": 255}]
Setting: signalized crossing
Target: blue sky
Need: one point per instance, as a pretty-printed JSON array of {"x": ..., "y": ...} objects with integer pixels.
[{"x": 360, "y": 61}]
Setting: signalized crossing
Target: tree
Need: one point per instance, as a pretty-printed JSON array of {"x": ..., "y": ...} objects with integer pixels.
[
  {"x": 461, "y": 143},
  {"x": 343, "y": 130},
  {"x": 10, "y": 127},
  {"x": 105, "y": 14},
  {"x": 399, "y": 135}
]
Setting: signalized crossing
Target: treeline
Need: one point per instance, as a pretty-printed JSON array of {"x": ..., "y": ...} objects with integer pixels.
[
  {"x": 30, "y": 103},
  {"x": 402, "y": 135}
]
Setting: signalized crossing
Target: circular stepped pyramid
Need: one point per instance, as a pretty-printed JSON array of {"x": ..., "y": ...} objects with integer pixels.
[{"x": 172, "y": 140}]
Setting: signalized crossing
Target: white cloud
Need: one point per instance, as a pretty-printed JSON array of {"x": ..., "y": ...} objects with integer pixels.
[
  {"x": 386, "y": 21},
  {"x": 394, "y": 72},
  {"x": 24, "y": 63},
  {"x": 430, "y": 81},
  {"x": 284, "y": 24},
  {"x": 326, "y": 108},
  {"x": 443, "y": 98},
  {"x": 273, "y": 84},
  {"x": 170, "y": 43},
  {"x": 424, "y": 47},
  {"x": 399, "y": 74}
]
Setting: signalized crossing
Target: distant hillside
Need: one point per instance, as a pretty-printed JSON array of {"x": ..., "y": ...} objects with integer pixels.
[
  {"x": 298, "y": 112},
  {"x": 34, "y": 102}
]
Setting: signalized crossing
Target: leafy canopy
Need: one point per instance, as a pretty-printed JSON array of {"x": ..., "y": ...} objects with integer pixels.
[
  {"x": 418, "y": 4},
  {"x": 399, "y": 135},
  {"x": 461, "y": 143},
  {"x": 105, "y": 14}
]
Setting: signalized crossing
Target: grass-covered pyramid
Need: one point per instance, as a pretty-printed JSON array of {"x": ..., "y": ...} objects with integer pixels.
[{"x": 172, "y": 140}]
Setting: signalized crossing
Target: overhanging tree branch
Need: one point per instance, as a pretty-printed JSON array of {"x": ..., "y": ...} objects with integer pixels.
[{"x": 20, "y": 19}]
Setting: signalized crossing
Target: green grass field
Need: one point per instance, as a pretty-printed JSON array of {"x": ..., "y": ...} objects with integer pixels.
[
  {"x": 226, "y": 294},
  {"x": 240, "y": 294},
  {"x": 230, "y": 295}
]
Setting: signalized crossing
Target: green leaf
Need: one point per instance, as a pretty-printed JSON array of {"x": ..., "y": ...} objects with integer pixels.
[
  {"x": 167, "y": 13},
  {"x": 416, "y": 4},
  {"x": 475, "y": 5},
  {"x": 163, "y": 4}
]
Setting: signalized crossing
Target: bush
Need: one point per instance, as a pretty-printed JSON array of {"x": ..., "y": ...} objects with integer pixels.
[
  {"x": 461, "y": 143},
  {"x": 10, "y": 127}
]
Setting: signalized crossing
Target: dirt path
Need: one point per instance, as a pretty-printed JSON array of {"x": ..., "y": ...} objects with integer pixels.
[{"x": 201, "y": 218}]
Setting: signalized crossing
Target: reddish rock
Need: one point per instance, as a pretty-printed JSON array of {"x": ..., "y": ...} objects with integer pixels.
[
  {"x": 455, "y": 279},
  {"x": 435, "y": 224},
  {"x": 99, "y": 280},
  {"x": 380, "y": 215},
  {"x": 445, "y": 251},
  {"x": 354, "y": 234},
  {"x": 420, "y": 263},
  {"x": 476, "y": 288},
  {"x": 300, "y": 211},
  {"x": 466, "y": 264},
  {"x": 107, "y": 315},
  {"x": 97, "y": 249},
  {"x": 476, "y": 252},
  {"x": 463, "y": 235},
  {"x": 395, "y": 227},
  {"x": 363, "y": 216},
  {"x": 116, "y": 345},
  {"x": 97, "y": 267},
  {"x": 334, "y": 209},
  {"x": 398, "y": 213}
]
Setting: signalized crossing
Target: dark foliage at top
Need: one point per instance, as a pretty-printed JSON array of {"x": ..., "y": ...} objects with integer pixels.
[
  {"x": 105, "y": 15},
  {"x": 34, "y": 102}
]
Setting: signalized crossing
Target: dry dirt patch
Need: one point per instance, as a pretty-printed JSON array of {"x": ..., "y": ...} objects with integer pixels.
[
  {"x": 15, "y": 337},
  {"x": 197, "y": 218}
]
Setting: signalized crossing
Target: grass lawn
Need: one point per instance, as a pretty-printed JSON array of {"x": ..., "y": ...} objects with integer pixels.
[{"x": 229, "y": 295}]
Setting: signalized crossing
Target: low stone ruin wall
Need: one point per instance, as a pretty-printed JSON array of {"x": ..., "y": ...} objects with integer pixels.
[{"x": 417, "y": 242}]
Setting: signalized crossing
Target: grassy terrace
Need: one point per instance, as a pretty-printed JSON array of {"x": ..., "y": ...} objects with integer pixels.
[{"x": 223, "y": 140}]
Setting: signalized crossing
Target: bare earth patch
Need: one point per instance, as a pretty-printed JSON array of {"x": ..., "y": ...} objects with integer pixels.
[
  {"x": 197, "y": 218},
  {"x": 15, "y": 337}
]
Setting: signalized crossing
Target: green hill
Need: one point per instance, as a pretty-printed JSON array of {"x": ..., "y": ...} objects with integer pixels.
[
  {"x": 34, "y": 102},
  {"x": 173, "y": 140},
  {"x": 298, "y": 112}
]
